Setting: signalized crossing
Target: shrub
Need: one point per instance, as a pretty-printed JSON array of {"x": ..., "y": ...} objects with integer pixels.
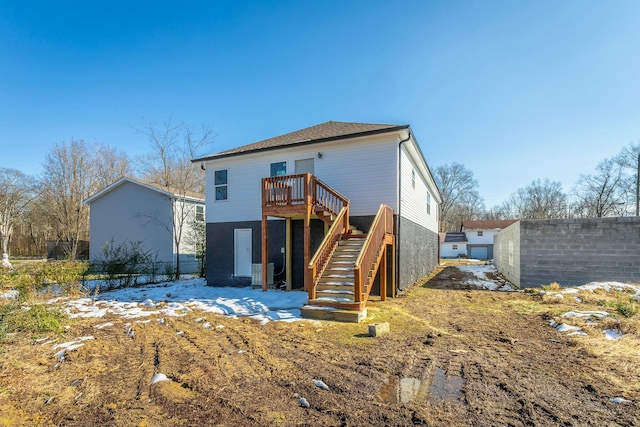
[
  {"x": 34, "y": 319},
  {"x": 121, "y": 263},
  {"x": 626, "y": 308},
  {"x": 554, "y": 286}
]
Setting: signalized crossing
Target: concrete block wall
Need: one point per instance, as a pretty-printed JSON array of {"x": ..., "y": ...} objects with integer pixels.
[
  {"x": 506, "y": 252},
  {"x": 417, "y": 251},
  {"x": 577, "y": 251}
]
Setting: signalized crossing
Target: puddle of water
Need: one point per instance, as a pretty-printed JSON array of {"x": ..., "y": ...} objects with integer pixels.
[
  {"x": 446, "y": 388},
  {"x": 436, "y": 387}
]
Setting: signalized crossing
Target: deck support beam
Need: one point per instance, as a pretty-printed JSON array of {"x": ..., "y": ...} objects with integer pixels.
[
  {"x": 265, "y": 255},
  {"x": 288, "y": 256}
]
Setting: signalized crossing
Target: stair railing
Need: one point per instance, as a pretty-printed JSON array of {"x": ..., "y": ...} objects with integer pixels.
[
  {"x": 289, "y": 190},
  {"x": 363, "y": 274},
  {"x": 322, "y": 256}
]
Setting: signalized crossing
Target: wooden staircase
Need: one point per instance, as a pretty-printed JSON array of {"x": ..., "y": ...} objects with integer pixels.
[
  {"x": 335, "y": 290},
  {"x": 341, "y": 290},
  {"x": 340, "y": 275}
]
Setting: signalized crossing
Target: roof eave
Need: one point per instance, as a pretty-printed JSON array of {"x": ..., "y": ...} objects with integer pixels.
[{"x": 305, "y": 142}]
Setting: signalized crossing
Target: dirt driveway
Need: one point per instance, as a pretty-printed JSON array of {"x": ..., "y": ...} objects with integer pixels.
[{"x": 455, "y": 356}]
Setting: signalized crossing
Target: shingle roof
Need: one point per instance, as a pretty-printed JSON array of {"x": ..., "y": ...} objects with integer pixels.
[
  {"x": 487, "y": 223},
  {"x": 319, "y": 133},
  {"x": 455, "y": 237},
  {"x": 167, "y": 190}
]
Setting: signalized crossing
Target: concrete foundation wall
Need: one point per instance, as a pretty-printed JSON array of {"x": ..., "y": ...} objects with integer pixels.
[
  {"x": 417, "y": 249},
  {"x": 506, "y": 252},
  {"x": 575, "y": 251}
]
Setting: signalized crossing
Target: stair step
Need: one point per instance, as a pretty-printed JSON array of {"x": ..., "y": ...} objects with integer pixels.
[
  {"x": 351, "y": 242},
  {"x": 333, "y": 282},
  {"x": 333, "y": 295},
  {"x": 338, "y": 287},
  {"x": 312, "y": 311},
  {"x": 342, "y": 263}
]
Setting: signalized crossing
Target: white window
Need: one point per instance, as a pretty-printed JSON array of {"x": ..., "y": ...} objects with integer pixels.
[
  {"x": 428, "y": 203},
  {"x": 413, "y": 178},
  {"x": 199, "y": 213},
  {"x": 220, "y": 184},
  {"x": 479, "y": 233},
  {"x": 455, "y": 247},
  {"x": 279, "y": 169}
]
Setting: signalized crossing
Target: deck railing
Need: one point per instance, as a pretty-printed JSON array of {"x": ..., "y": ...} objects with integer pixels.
[
  {"x": 322, "y": 256},
  {"x": 381, "y": 227},
  {"x": 299, "y": 189}
]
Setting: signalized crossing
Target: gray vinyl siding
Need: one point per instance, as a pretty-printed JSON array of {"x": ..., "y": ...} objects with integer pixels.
[{"x": 132, "y": 213}]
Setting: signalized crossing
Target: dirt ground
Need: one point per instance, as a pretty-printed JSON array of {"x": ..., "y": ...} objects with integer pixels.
[{"x": 454, "y": 356}]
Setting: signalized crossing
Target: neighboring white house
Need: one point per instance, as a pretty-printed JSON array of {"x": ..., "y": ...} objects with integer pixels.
[
  {"x": 480, "y": 234},
  {"x": 368, "y": 164},
  {"x": 132, "y": 210},
  {"x": 453, "y": 245}
]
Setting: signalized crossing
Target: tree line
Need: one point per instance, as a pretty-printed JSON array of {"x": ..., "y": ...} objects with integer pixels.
[
  {"x": 611, "y": 190},
  {"x": 37, "y": 209}
]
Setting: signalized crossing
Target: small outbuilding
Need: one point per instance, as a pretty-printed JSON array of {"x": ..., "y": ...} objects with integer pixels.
[{"x": 131, "y": 210}]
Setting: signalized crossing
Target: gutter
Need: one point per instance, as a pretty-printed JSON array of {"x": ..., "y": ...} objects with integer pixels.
[{"x": 397, "y": 255}]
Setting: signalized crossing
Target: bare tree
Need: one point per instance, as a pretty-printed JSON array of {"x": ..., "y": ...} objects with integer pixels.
[
  {"x": 604, "y": 193},
  {"x": 173, "y": 147},
  {"x": 196, "y": 236},
  {"x": 16, "y": 192},
  {"x": 460, "y": 197},
  {"x": 72, "y": 172},
  {"x": 539, "y": 200},
  {"x": 629, "y": 160}
]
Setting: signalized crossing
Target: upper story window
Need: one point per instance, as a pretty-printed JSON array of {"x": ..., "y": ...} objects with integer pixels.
[
  {"x": 279, "y": 169},
  {"x": 455, "y": 246},
  {"x": 220, "y": 184},
  {"x": 413, "y": 178},
  {"x": 480, "y": 233},
  {"x": 428, "y": 203},
  {"x": 199, "y": 213}
]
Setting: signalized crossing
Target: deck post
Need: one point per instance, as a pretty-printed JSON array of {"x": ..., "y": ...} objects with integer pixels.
[
  {"x": 265, "y": 255},
  {"x": 393, "y": 267},
  {"x": 383, "y": 274},
  {"x": 288, "y": 255},
  {"x": 307, "y": 231}
]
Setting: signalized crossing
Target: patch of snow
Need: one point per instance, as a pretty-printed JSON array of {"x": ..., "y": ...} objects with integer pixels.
[
  {"x": 321, "y": 384},
  {"x": 103, "y": 325},
  {"x": 159, "y": 377},
  {"x": 586, "y": 314},
  {"x": 12, "y": 294},
  {"x": 612, "y": 334},
  {"x": 608, "y": 286},
  {"x": 563, "y": 327},
  {"x": 620, "y": 400},
  {"x": 482, "y": 281}
]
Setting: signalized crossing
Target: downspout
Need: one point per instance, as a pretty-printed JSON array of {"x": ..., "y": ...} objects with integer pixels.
[{"x": 397, "y": 254}]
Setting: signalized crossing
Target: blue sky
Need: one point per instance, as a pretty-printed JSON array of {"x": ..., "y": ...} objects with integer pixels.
[{"x": 513, "y": 90}]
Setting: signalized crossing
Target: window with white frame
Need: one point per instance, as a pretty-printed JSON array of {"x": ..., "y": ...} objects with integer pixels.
[
  {"x": 455, "y": 247},
  {"x": 428, "y": 203},
  {"x": 413, "y": 178},
  {"x": 220, "y": 183},
  {"x": 279, "y": 169},
  {"x": 480, "y": 233},
  {"x": 199, "y": 213}
]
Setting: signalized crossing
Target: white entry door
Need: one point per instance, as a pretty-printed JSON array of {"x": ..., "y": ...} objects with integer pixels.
[
  {"x": 304, "y": 166},
  {"x": 242, "y": 252}
]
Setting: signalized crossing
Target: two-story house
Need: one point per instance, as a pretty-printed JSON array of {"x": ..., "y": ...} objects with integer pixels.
[{"x": 337, "y": 209}]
